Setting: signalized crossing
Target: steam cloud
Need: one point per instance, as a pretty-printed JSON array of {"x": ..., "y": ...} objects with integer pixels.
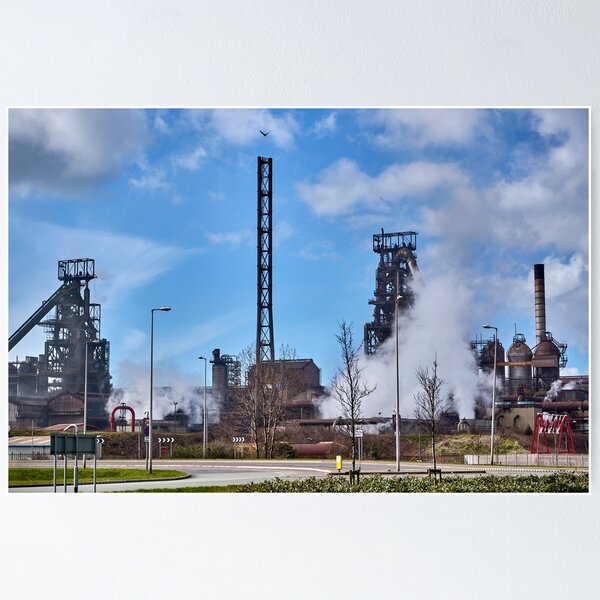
[
  {"x": 437, "y": 325},
  {"x": 180, "y": 388}
]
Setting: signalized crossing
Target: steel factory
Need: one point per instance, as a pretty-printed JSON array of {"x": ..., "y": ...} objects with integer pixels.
[{"x": 70, "y": 380}]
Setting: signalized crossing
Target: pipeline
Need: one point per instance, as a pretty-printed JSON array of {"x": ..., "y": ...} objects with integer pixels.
[
  {"x": 411, "y": 261},
  {"x": 580, "y": 405}
]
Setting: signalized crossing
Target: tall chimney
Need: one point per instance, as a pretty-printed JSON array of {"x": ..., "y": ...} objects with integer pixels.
[{"x": 540, "y": 302}]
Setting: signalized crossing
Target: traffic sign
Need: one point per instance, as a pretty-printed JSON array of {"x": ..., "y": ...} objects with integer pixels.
[
  {"x": 358, "y": 433},
  {"x": 238, "y": 439},
  {"x": 66, "y": 444}
]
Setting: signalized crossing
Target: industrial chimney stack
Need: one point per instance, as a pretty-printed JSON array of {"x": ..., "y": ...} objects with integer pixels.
[{"x": 540, "y": 302}]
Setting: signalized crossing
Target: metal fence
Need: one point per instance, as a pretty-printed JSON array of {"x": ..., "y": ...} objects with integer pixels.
[
  {"x": 526, "y": 459},
  {"x": 17, "y": 453}
]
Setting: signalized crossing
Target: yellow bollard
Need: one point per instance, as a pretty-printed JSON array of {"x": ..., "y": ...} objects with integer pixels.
[{"x": 338, "y": 462}]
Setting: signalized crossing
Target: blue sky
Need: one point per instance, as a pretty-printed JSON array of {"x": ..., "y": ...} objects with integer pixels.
[{"x": 165, "y": 202}]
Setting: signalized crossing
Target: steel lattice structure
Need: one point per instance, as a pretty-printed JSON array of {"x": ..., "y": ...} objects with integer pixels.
[
  {"x": 72, "y": 337},
  {"x": 265, "y": 348},
  {"x": 397, "y": 265}
]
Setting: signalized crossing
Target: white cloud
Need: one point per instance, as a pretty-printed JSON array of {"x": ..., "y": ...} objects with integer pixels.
[
  {"x": 241, "y": 127},
  {"x": 343, "y": 187},
  {"x": 318, "y": 251},
  {"x": 161, "y": 125},
  {"x": 192, "y": 160},
  {"x": 282, "y": 231},
  {"x": 399, "y": 128},
  {"x": 325, "y": 126},
  {"x": 118, "y": 274},
  {"x": 230, "y": 238},
  {"x": 151, "y": 178},
  {"x": 134, "y": 340},
  {"x": 65, "y": 150}
]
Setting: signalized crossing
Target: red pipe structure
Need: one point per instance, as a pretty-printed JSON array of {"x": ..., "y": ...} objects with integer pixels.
[
  {"x": 113, "y": 425},
  {"x": 558, "y": 426}
]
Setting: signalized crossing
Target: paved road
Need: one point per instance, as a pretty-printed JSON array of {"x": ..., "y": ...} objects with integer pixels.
[{"x": 225, "y": 472}]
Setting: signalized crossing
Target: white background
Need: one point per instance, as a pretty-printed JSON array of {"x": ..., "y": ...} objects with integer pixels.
[{"x": 310, "y": 53}]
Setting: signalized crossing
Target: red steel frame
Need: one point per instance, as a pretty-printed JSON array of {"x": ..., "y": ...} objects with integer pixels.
[
  {"x": 556, "y": 425},
  {"x": 113, "y": 425}
]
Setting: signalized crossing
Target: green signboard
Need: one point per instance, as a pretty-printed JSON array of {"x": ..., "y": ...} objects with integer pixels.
[{"x": 65, "y": 444}]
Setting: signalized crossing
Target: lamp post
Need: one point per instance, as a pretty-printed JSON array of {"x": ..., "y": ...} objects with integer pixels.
[
  {"x": 85, "y": 386},
  {"x": 163, "y": 309},
  {"x": 75, "y": 469},
  {"x": 398, "y": 298},
  {"x": 204, "y": 423},
  {"x": 493, "y": 390}
]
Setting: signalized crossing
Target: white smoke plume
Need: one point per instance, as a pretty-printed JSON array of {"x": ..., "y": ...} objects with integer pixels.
[
  {"x": 170, "y": 386},
  {"x": 436, "y": 327},
  {"x": 553, "y": 391}
]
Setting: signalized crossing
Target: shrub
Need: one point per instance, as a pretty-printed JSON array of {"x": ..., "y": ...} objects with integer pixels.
[
  {"x": 283, "y": 450},
  {"x": 563, "y": 482}
]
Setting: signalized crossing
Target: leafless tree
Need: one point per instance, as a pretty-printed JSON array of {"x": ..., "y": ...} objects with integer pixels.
[
  {"x": 348, "y": 386},
  {"x": 263, "y": 401},
  {"x": 430, "y": 405}
]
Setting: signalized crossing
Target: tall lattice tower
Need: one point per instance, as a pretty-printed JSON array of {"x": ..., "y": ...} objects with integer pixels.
[
  {"x": 265, "y": 348},
  {"x": 397, "y": 265}
]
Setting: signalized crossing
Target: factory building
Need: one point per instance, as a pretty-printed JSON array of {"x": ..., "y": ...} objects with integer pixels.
[
  {"x": 49, "y": 388},
  {"x": 304, "y": 375},
  {"x": 534, "y": 383}
]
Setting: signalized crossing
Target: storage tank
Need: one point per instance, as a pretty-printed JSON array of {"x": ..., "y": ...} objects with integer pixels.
[
  {"x": 519, "y": 375},
  {"x": 546, "y": 357}
]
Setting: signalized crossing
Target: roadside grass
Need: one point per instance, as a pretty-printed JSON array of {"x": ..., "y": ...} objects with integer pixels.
[{"x": 24, "y": 476}]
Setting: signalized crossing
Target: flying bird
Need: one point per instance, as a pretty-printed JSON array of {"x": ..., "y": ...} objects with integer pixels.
[{"x": 265, "y": 134}]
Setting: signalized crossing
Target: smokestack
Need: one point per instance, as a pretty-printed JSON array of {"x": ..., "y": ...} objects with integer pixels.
[{"x": 540, "y": 302}]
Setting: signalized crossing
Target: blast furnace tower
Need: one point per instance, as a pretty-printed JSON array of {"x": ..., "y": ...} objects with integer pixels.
[
  {"x": 75, "y": 356},
  {"x": 397, "y": 267}
]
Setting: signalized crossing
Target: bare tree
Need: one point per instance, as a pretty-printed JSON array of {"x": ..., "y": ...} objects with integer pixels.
[
  {"x": 243, "y": 410},
  {"x": 348, "y": 386},
  {"x": 430, "y": 405},
  {"x": 263, "y": 401}
]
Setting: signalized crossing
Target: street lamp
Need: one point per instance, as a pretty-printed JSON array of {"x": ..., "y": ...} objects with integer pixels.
[
  {"x": 85, "y": 388},
  {"x": 75, "y": 470},
  {"x": 398, "y": 298},
  {"x": 163, "y": 309},
  {"x": 204, "y": 423},
  {"x": 493, "y": 390}
]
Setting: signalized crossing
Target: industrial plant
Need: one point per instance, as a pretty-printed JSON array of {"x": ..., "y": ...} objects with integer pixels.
[{"x": 70, "y": 380}]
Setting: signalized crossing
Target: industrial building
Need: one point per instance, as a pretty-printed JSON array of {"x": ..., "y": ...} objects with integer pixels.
[
  {"x": 528, "y": 379},
  {"x": 52, "y": 388},
  {"x": 72, "y": 375}
]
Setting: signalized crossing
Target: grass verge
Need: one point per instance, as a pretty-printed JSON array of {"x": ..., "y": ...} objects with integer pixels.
[{"x": 26, "y": 476}]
